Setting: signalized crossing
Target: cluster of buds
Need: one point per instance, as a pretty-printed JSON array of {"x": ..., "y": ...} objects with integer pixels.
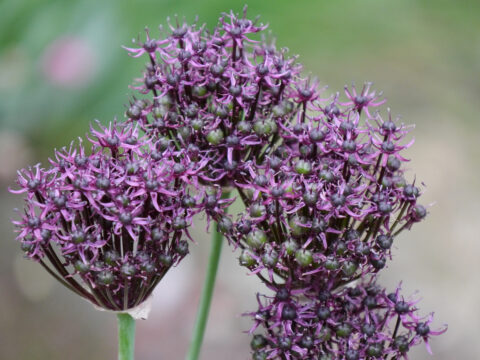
[
  {"x": 322, "y": 181},
  {"x": 353, "y": 323},
  {"x": 325, "y": 206},
  {"x": 322, "y": 211},
  {"x": 220, "y": 97},
  {"x": 109, "y": 225}
]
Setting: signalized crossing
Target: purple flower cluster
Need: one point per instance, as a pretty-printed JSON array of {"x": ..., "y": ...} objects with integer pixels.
[
  {"x": 322, "y": 211},
  {"x": 109, "y": 225},
  {"x": 361, "y": 322},
  {"x": 220, "y": 96},
  {"x": 329, "y": 200},
  {"x": 321, "y": 179}
]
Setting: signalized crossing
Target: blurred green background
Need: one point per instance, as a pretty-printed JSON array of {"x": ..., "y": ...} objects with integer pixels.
[{"x": 62, "y": 65}]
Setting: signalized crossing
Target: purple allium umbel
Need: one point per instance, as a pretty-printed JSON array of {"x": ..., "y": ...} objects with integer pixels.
[
  {"x": 110, "y": 219},
  {"x": 329, "y": 200},
  {"x": 350, "y": 323},
  {"x": 322, "y": 180},
  {"x": 219, "y": 95},
  {"x": 322, "y": 212}
]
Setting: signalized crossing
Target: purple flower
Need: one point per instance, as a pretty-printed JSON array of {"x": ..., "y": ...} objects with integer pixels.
[
  {"x": 327, "y": 198},
  {"x": 109, "y": 225},
  {"x": 352, "y": 323},
  {"x": 329, "y": 201},
  {"x": 363, "y": 99},
  {"x": 212, "y": 94},
  {"x": 321, "y": 179}
]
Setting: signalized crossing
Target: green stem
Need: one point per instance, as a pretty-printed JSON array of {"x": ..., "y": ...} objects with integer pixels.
[
  {"x": 126, "y": 336},
  {"x": 207, "y": 292}
]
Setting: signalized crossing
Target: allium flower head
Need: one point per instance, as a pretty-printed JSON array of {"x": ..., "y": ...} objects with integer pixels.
[
  {"x": 108, "y": 221},
  {"x": 352, "y": 323},
  {"x": 330, "y": 198},
  {"x": 220, "y": 95},
  {"x": 322, "y": 211},
  {"x": 322, "y": 180}
]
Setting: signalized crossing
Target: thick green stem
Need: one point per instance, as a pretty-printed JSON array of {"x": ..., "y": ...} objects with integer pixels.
[
  {"x": 207, "y": 292},
  {"x": 126, "y": 336}
]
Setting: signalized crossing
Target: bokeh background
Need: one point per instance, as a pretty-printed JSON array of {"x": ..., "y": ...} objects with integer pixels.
[{"x": 61, "y": 66}]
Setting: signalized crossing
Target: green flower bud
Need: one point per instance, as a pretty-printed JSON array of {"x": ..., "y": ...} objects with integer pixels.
[
  {"x": 331, "y": 263},
  {"x": 258, "y": 342},
  {"x": 165, "y": 101},
  {"x": 105, "y": 278},
  {"x": 225, "y": 225},
  {"x": 296, "y": 229},
  {"x": 256, "y": 239},
  {"x": 264, "y": 127},
  {"x": 111, "y": 256},
  {"x": 215, "y": 137},
  {"x": 279, "y": 110},
  {"x": 343, "y": 330},
  {"x": 341, "y": 248},
  {"x": 246, "y": 259},
  {"x": 304, "y": 257},
  {"x": 197, "y": 124},
  {"x": 199, "y": 91},
  {"x": 290, "y": 247},
  {"x": 270, "y": 259},
  {"x": 244, "y": 127},
  {"x": 81, "y": 267},
  {"x": 257, "y": 210},
  {"x": 303, "y": 167},
  {"x": 374, "y": 350},
  {"x": 165, "y": 259},
  {"x": 325, "y": 334},
  {"x": 349, "y": 268},
  {"x": 159, "y": 112}
]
